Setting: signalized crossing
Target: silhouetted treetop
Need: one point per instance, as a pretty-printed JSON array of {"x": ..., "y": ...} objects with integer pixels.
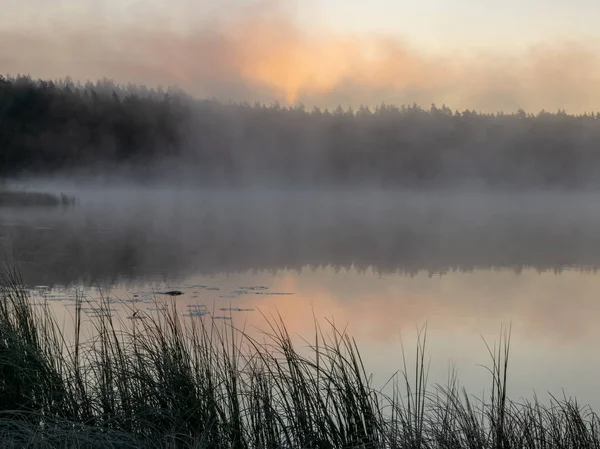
[{"x": 63, "y": 126}]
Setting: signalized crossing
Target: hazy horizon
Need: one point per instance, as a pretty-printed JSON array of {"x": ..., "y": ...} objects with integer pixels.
[{"x": 282, "y": 51}]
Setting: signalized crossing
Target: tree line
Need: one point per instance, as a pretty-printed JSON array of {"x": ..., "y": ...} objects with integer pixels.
[{"x": 61, "y": 126}]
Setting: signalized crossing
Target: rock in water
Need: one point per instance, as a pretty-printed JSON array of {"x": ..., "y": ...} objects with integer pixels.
[{"x": 173, "y": 293}]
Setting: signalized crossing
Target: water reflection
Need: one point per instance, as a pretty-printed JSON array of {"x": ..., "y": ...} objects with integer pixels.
[
  {"x": 553, "y": 317},
  {"x": 207, "y": 234},
  {"x": 381, "y": 265}
]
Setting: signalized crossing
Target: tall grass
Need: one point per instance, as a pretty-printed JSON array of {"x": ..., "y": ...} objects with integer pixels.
[{"x": 163, "y": 382}]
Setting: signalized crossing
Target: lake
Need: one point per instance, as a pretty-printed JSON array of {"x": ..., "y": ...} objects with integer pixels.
[{"x": 381, "y": 263}]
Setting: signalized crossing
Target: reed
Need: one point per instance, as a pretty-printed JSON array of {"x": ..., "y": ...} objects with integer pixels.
[{"x": 166, "y": 382}]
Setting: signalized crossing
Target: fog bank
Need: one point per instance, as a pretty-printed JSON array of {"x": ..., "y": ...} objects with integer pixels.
[{"x": 260, "y": 52}]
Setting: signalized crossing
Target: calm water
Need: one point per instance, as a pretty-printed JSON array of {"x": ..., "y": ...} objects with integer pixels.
[{"x": 380, "y": 263}]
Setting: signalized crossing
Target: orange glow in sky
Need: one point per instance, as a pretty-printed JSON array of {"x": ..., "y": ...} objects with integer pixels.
[{"x": 261, "y": 53}]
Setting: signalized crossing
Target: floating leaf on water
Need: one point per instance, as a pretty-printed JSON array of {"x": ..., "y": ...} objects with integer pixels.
[
  {"x": 193, "y": 286},
  {"x": 236, "y": 309},
  {"x": 272, "y": 293},
  {"x": 255, "y": 287},
  {"x": 194, "y": 315}
]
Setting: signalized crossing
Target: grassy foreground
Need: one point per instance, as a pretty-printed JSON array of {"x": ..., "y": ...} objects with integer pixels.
[{"x": 166, "y": 383}]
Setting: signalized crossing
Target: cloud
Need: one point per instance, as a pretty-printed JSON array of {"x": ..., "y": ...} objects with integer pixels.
[{"x": 260, "y": 53}]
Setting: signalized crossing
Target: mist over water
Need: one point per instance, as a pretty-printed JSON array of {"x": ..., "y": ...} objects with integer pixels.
[
  {"x": 133, "y": 233},
  {"x": 382, "y": 261}
]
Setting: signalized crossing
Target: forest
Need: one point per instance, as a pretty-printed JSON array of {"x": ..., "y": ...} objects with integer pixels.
[{"x": 65, "y": 127}]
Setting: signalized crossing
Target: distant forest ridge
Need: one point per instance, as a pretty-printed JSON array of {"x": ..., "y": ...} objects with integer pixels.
[{"x": 50, "y": 127}]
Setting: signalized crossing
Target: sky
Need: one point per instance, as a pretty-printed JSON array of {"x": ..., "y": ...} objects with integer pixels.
[{"x": 468, "y": 54}]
